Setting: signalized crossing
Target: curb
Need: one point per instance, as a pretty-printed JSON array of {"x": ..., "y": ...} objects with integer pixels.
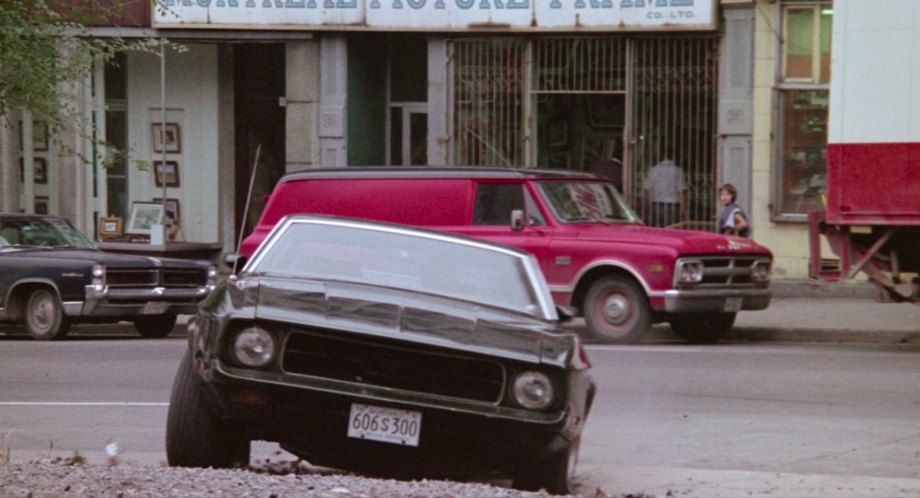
[
  {"x": 768, "y": 334},
  {"x": 811, "y": 289}
]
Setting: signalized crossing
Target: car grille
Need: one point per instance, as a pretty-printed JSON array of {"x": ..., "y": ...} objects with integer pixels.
[
  {"x": 394, "y": 365},
  {"x": 728, "y": 271},
  {"x": 150, "y": 277}
]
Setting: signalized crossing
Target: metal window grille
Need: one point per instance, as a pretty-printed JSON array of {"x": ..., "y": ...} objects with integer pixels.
[{"x": 667, "y": 87}]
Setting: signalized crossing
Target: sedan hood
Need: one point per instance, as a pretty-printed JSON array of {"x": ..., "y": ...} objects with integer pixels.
[
  {"x": 395, "y": 313},
  {"x": 110, "y": 260}
]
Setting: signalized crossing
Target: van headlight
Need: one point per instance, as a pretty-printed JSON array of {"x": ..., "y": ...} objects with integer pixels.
[
  {"x": 254, "y": 347},
  {"x": 761, "y": 271},
  {"x": 690, "y": 271},
  {"x": 533, "y": 390}
]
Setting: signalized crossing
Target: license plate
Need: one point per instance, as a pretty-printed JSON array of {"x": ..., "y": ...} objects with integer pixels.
[
  {"x": 732, "y": 304},
  {"x": 387, "y": 425},
  {"x": 155, "y": 308}
]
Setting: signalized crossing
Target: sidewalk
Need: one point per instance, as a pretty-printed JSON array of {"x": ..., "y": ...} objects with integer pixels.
[{"x": 809, "y": 311}]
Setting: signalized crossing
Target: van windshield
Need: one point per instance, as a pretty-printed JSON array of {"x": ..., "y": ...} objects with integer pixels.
[{"x": 586, "y": 201}]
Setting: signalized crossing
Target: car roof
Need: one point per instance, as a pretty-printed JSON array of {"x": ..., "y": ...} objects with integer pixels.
[{"x": 433, "y": 172}]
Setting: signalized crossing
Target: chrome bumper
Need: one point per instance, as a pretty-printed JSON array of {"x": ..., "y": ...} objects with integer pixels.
[
  {"x": 104, "y": 301},
  {"x": 716, "y": 300}
]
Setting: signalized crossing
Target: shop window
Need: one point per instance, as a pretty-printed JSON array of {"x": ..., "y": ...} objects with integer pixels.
[
  {"x": 116, "y": 135},
  {"x": 803, "y": 111},
  {"x": 807, "y": 43}
]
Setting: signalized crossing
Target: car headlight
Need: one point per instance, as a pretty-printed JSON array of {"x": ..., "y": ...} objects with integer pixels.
[
  {"x": 690, "y": 272},
  {"x": 533, "y": 390},
  {"x": 98, "y": 276},
  {"x": 254, "y": 347},
  {"x": 761, "y": 271}
]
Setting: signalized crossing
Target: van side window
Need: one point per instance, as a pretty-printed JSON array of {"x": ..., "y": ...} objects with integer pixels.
[{"x": 495, "y": 201}]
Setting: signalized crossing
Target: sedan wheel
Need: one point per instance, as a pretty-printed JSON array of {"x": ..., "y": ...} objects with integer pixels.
[
  {"x": 156, "y": 326},
  {"x": 616, "y": 310},
  {"x": 554, "y": 474},
  {"x": 44, "y": 316},
  {"x": 195, "y": 437}
]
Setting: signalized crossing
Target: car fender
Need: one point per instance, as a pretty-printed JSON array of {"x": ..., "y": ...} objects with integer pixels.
[{"x": 14, "y": 299}]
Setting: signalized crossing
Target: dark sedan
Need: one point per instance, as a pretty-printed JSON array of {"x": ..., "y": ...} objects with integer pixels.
[
  {"x": 52, "y": 276},
  {"x": 384, "y": 349}
]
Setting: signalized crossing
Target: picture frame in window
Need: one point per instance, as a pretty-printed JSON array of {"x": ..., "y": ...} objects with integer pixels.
[
  {"x": 167, "y": 172},
  {"x": 142, "y": 217},
  {"x": 110, "y": 227},
  {"x": 171, "y": 139},
  {"x": 39, "y": 136},
  {"x": 41, "y": 204},
  {"x": 172, "y": 209}
]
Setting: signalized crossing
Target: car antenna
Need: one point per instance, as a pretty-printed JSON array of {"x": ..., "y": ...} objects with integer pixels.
[{"x": 252, "y": 180}]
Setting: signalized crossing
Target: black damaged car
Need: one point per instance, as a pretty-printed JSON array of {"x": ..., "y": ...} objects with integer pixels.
[
  {"x": 388, "y": 350},
  {"x": 52, "y": 276}
]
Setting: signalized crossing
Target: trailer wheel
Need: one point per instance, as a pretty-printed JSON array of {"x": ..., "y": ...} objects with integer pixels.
[
  {"x": 616, "y": 310},
  {"x": 703, "y": 328}
]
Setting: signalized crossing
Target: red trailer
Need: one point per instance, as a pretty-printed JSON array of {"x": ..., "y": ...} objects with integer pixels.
[{"x": 872, "y": 213}]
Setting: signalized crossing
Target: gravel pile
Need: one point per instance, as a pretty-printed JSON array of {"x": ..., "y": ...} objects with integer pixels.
[{"x": 61, "y": 479}]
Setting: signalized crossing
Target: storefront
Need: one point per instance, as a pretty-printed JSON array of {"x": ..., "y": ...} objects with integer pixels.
[{"x": 283, "y": 85}]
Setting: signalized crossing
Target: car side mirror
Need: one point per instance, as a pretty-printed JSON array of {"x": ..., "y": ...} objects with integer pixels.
[{"x": 517, "y": 220}]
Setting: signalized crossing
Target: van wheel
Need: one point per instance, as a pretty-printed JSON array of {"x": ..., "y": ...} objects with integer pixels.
[
  {"x": 195, "y": 436},
  {"x": 156, "y": 326},
  {"x": 616, "y": 310},
  {"x": 44, "y": 316},
  {"x": 703, "y": 328}
]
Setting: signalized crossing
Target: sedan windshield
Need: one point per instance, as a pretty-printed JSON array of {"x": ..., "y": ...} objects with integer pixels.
[
  {"x": 405, "y": 260},
  {"x": 586, "y": 201},
  {"x": 41, "y": 232}
]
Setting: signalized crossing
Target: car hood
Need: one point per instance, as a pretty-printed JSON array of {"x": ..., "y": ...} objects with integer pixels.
[
  {"x": 681, "y": 241},
  {"x": 110, "y": 260},
  {"x": 404, "y": 315}
]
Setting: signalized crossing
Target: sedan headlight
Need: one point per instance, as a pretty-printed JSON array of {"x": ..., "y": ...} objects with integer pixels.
[
  {"x": 761, "y": 271},
  {"x": 533, "y": 390},
  {"x": 254, "y": 347},
  {"x": 98, "y": 276},
  {"x": 690, "y": 272}
]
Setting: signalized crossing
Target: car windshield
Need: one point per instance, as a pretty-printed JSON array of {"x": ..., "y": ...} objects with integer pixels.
[
  {"x": 409, "y": 260},
  {"x": 586, "y": 201},
  {"x": 41, "y": 232}
]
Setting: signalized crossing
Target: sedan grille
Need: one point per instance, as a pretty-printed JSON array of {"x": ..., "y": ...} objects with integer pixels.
[
  {"x": 152, "y": 277},
  {"x": 394, "y": 365}
]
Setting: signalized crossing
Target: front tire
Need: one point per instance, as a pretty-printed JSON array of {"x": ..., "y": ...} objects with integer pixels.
[
  {"x": 195, "y": 436},
  {"x": 554, "y": 474},
  {"x": 155, "y": 326},
  {"x": 44, "y": 316},
  {"x": 703, "y": 328},
  {"x": 616, "y": 310}
]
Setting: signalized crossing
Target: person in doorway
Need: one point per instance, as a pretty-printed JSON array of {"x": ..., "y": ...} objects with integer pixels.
[
  {"x": 732, "y": 219},
  {"x": 611, "y": 168},
  {"x": 665, "y": 200}
]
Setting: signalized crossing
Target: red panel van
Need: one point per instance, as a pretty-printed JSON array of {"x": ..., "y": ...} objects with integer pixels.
[{"x": 595, "y": 252}]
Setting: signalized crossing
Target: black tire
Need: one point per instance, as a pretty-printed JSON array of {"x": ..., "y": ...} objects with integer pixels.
[
  {"x": 616, "y": 310},
  {"x": 553, "y": 474},
  {"x": 195, "y": 437},
  {"x": 155, "y": 326},
  {"x": 44, "y": 316},
  {"x": 703, "y": 328}
]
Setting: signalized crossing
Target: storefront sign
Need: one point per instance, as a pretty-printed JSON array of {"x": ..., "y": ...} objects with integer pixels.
[{"x": 476, "y": 15}]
